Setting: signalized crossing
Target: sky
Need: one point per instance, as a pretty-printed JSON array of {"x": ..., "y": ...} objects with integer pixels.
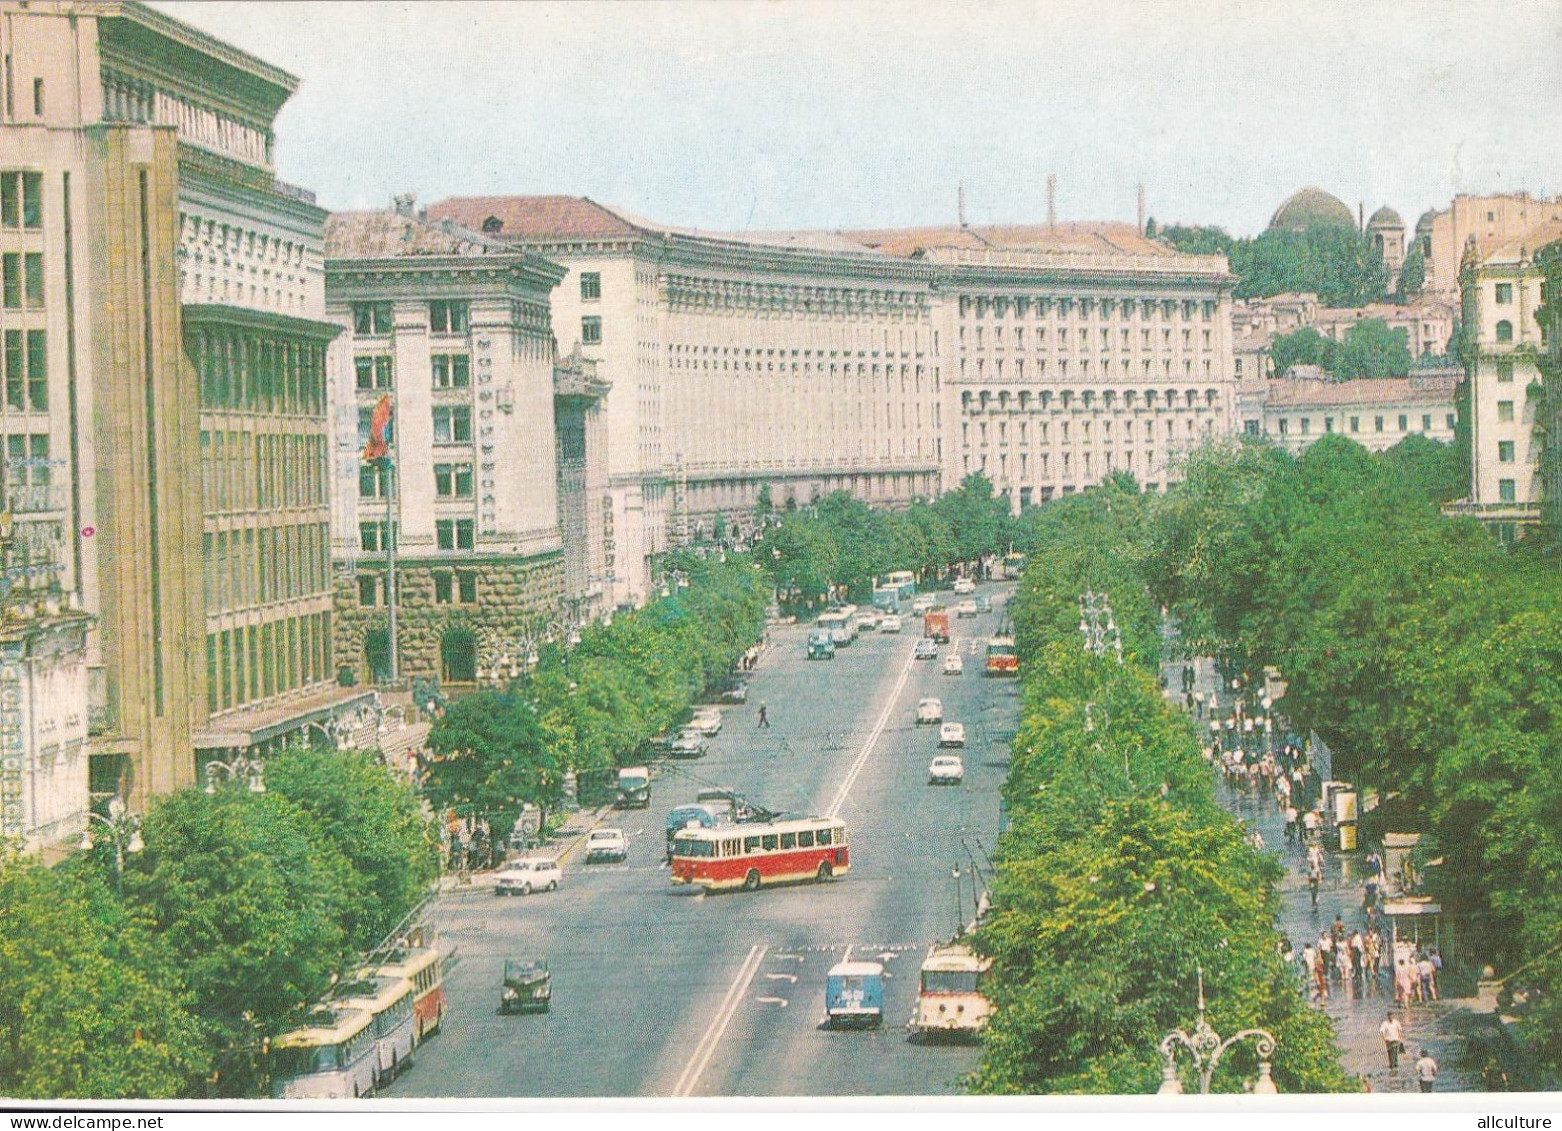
[{"x": 729, "y": 115}]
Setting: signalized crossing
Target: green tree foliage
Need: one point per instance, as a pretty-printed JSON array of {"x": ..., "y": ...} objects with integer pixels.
[
  {"x": 1424, "y": 653},
  {"x": 490, "y": 753},
  {"x": 92, "y": 1008},
  {"x": 1371, "y": 348},
  {"x": 1120, "y": 874},
  {"x": 1304, "y": 346},
  {"x": 1337, "y": 264},
  {"x": 1412, "y": 275},
  {"x": 1196, "y": 240},
  {"x": 235, "y": 886},
  {"x": 357, "y": 811}
]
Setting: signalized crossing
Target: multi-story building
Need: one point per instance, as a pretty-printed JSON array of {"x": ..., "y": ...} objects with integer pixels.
[
  {"x": 1550, "y": 259},
  {"x": 452, "y": 329},
  {"x": 1502, "y": 398},
  {"x": 1428, "y": 322},
  {"x": 1489, "y": 220},
  {"x": 164, "y": 368},
  {"x": 1376, "y": 412}
]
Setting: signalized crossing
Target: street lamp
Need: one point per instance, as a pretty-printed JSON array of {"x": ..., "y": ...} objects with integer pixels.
[
  {"x": 1206, "y": 1047},
  {"x": 124, "y": 827},
  {"x": 243, "y": 768},
  {"x": 959, "y": 903}
]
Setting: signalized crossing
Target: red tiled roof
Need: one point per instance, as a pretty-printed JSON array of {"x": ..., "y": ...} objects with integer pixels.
[
  {"x": 1285, "y": 393},
  {"x": 535, "y": 217}
]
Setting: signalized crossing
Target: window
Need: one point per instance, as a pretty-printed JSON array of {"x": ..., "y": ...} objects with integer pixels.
[
  {"x": 371, "y": 482},
  {"x": 458, "y": 656},
  {"x": 1283, "y": 425},
  {"x": 38, "y": 97},
  {"x": 1505, "y": 331},
  {"x": 453, "y": 533},
  {"x": 453, "y": 480},
  {"x": 373, "y": 537},
  {"x": 1505, "y": 411},
  {"x": 1505, "y": 451},
  {"x": 453, "y": 424},
  {"x": 371, "y": 318},
  {"x": 26, "y": 370},
  {"x": 1404, "y": 423},
  {"x": 1306, "y": 425},
  {"x": 447, "y": 317},
  {"x": 23, "y": 281},
  {"x": 1250, "y": 427},
  {"x": 373, "y": 372},
  {"x": 1450, "y": 419},
  {"x": 1355, "y": 424},
  {"x": 368, "y": 591},
  {"x": 452, "y": 370},
  {"x": 443, "y": 588},
  {"x": 590, "y": 284},
  {"x": 591, "y": 330},
  {"x": 1505, "y": 293},
  {"x": 1377, "y": 424},
  {"x": 1426, "y": 422},
  {"x": 1506, "y": 492},
  {"x": 1505, "y": 371},
  {"x": 466, "y": 587}
]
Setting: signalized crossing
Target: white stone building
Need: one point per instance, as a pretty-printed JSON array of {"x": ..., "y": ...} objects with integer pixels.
[{"x": 1376, "y": 412}]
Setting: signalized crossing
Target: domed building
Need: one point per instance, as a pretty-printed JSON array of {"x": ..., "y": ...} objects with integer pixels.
[
  {"x": 1312, "y": 208},
  {"x": 1386, "y": 232}
]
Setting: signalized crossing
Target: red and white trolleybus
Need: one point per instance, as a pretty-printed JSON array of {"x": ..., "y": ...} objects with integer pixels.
[{"x": 750, "y": 855}]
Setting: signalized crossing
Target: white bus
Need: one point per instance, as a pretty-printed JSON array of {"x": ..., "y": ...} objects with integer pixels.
[
  {"x": 903, "y": 580},
  {"x": 330, "y": 1057},
  {"x": 841, "y": 622},
  {"x": 388, "y": 1002}
]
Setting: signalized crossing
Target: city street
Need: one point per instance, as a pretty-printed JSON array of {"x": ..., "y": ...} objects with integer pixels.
[{"x": 664, "y": 991}]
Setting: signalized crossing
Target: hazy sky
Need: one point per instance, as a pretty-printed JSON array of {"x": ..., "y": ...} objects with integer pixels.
[{"x": 732, "y": 115}]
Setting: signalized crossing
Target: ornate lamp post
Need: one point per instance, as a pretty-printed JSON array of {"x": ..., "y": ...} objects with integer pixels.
[
  {"x": 243, "y": 768},
  {"x": 125, "y": 829},
  {"x": 1206, "y": 1047},
  {"x": 1098, "y": 626}
]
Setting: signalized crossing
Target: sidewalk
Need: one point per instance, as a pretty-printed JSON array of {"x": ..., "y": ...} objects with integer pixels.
[
  {"x": 1357, "y": 1011},
  {"x": 566, "y": 839}
]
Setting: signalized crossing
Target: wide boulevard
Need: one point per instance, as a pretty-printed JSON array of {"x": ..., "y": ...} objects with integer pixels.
[{"x": 667, "y": 991}]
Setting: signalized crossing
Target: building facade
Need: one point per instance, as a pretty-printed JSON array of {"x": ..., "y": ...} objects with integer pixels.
[
  {"x": 1376, "y": 412},
  {"x": 164, "y": 361},
  {"x": 452, "y": 331},
  {"x": 1488, "y": 220}
]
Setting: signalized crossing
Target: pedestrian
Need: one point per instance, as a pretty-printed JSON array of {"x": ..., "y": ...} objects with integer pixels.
[
  {"x": 1426, "y": 1070},
  {"x": 1426, "y": 973},
  {"x": 1309, "y": 961},
  {"x": 1404, "y": 983},
  {"x": 1314, "y": 881},
  {"x": 1290, "y": 821},
  {"x": 1321, "y": 975},
  {"x": 764, "y": 717},
  {"x": 1393, "y": 1040},
  {"x": 1310, "y": 822}
]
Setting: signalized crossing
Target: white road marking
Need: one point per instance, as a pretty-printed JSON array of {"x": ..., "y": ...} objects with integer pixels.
[
  {"x": 781, "y": 1001},
  {"x": 783, "y": 978},
  {"x": 786, "y": 954},
  {"x": 718, "y": 1026},
  {"x": 873, "y": 738}
]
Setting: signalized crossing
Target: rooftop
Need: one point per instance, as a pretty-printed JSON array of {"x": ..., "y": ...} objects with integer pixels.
[
  {"x": 1287, "y": 392},
  {"x": 1311, "y": 207}
]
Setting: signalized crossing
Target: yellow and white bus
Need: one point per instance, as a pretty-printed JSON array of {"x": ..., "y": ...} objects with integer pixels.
[
  {"x": 388, "y": 1002},
  {"x": 330, "y": 1057}
]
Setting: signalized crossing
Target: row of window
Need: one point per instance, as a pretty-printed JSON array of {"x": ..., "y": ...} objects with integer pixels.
[
  {"x": 1043, "y": 434},
  {"x": 26, "y": 370},
  {"x": 447, "y": 371},
  {"x": 452, "y": 424},
  {"x": 21, "y": 281},
  {"x": 449, "y": 534},
  {"x": 451, "y": 587},
  {"x": 27, "y": 462},
  {"x": 246, "y": 568},
  {"x": 1110, "y": 461},
  {"x": 254, "y": 662},
  {"x": 243, "y": 370},
  {"x": 451, "y": 481},
  {"x": 1038, "y": 339},
  {"x": 985, "y": 400},
  {"x": 1355, "y": 424},
  {"x": 248, "y": 471},
  {"x": 445, "y": 316},
  {"x": 21, "y": 200},
  {"x": 1065, "y": 307}
]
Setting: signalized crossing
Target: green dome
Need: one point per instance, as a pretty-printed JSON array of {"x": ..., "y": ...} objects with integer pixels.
[
  {"x": 1312, "y": 208},
  {"x": 1385, "y": 217}
]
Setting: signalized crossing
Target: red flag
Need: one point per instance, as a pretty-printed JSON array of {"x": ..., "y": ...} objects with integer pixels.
[{"x": 379, "y": 425}]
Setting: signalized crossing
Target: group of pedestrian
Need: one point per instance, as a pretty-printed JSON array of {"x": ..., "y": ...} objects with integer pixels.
[
  {"x": 1393, "y": 1034},
  {"x": 1350, "y": 960}
]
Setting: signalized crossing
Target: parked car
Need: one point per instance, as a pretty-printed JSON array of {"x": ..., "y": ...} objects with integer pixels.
[
  {"x": 946, "y": 769},
  {"x": 690, "y": 743},
  {"x": 890, "y": 623},
  {"x": 953, "y": 664},
  {"x": 966, "y": 608},
  {"x": 821, "y": 644},
  {"x": 927, "y": 649},
  {"x": 736, "y": 693},
  {"x": 930, "y": 710},
  {"x": 606, "y": 844},
  {"x": 707, "y": 720},
  {"x": 951, "y": 734},
  {"x": 964, "y": 585},
  {"x": 984, "y": 604},
  {"x": 522, "y": 877},
  {"x": 868, "y": 619},
  {"x": 922, "y": 604}
]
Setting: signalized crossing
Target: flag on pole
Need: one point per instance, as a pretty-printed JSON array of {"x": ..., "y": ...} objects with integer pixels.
[{"x": 378, "y": 446}]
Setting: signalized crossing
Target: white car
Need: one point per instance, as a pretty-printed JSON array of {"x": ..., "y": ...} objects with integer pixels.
[
  {"x": 953, "y": 664},
  {"x": 964, "y": 585},
  {"x": 523, "y": 877},
  {"x": 930, "y": 710},
  {"x": 951, "y": 734},
  {"x": 923, "y": 603},
  {"x": 890, "y": 623},
  {"x": 606, "y": 844},
  {"x": 966, "y": 608},
  {"x": 868, "y": 619},
  {"x": 707, "y": 720},
  {"x": 946, "y": 769},
  {"x": 927, "y": 649}
]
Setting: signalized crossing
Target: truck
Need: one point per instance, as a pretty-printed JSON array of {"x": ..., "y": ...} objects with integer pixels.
[
  {"x": 634, "y": 788},
  {"x": 935, "y": 624}
]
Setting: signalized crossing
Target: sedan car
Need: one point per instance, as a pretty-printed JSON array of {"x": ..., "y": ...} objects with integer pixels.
[
  {"x": 966, "y": 608},
  {"x": 890, "y": 623},
  {"x": 606, "y": 844},
  {"x": 953, "y": 664},
  {"x": 923, "y": 603},
  {"x": 930, "y": 710},
  {"x": 707, "y": 720},
  {"x": 964, "y": 585},
  {"x": 523, "y": 877},
  {"x": 927, "y": 649},
  {"x": 690, "y": 743},
  {"x": 946, "y": 769},
  {"x": 951, "y": 734},
  {"x": 868, "y": 619}
]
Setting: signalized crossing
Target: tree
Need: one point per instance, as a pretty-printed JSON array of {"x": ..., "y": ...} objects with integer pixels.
[
  {"x": 1196, "y": 240},
  {"x": 763, "y": 507},
  {"x": 92, "y": 1008},
  {"x": 357, "y": 811},
  {"x": 978, "y": 520},
  {"x": 1337, "y": 264},
  {"x": 1412, "y": 275},
  {"x": 489, "y": 755},
  {"x": 1371, "y": 348},
  {"x": 1304, "y": 346}
]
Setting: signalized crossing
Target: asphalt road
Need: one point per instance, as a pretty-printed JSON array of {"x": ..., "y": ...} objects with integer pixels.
[{"x": 666, "y": 991}]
